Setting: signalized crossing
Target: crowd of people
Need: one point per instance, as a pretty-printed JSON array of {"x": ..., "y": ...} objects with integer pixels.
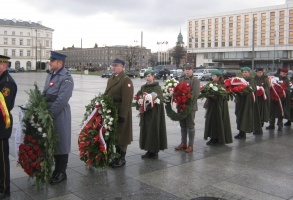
[{"x": 252, "y": 110}]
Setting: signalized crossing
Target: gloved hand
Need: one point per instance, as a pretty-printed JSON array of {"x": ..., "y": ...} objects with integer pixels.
[{"x": 121, "y": 119}]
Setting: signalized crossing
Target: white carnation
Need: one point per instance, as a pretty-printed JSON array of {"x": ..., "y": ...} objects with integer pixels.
[
  {"x": 215, "y": 88},
  {"x": 211, "y": 85},
  {"x": 40, "y": 129}
]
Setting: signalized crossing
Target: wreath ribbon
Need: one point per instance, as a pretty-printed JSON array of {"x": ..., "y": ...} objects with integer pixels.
[
  {"x": 4, "y": 111},
  {"x": 260, "y": 88},
  {"x": 279, "y": 99}
]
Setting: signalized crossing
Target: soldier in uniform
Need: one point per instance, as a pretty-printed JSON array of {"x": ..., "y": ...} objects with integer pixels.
[
  {"x": 264, "y": 100},
  {"x": 58, "y": 90},
  {"x": 120, "y": 89},
  {"x": 187, "y": 124},
  {"x": 288, "y": 123},
  {"x": 8, "y": 90}
]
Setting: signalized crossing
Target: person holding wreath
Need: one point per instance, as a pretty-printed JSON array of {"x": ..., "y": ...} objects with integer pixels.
[
  {"x": 153, "y": 137},
  {"x": 187, "y": 124},
  {"x": 217, "y": 123}
]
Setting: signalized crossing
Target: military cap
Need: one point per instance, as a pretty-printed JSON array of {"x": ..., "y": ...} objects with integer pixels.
[
  {"x": 217, "y": 72},
  {"x": 4, "y": 59},
  {"x": 118, "y": 61},
  {"x": 259, "y": 69},
  {"x": 149, "y": 71},
  {"x": 57, "y": 56},
  {"x": 188, "y": 67},
  {"x": 285, "y": 70},
  {"x": 245, "y": 69}
]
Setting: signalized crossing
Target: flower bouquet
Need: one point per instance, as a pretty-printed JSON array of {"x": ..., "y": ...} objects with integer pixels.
[
  {"x": 179, "y": 93},
  {"x": 260, "y": 91},
  {"x": 237, "y": 85},
  {"x": 278, "y": 89},
  {"x": 97, "y": 137},
  {"x": 145, "y": 101},
  {"x": 212, "y": 89},
  {"x": 36, "y": 154}
]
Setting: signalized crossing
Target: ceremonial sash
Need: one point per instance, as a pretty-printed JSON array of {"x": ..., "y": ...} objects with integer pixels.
[{"x": 4, "y": 111}]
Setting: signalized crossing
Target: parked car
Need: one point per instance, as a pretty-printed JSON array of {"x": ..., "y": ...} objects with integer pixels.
[
  {"x": 173, "y": 72},
  {"x": 178, "y": 75},
  {"x": 159, "y": 75},
  {"x": 229, "y": 73},
  {"x": 141, "y": 73},
  {"x": 20, "y": 69},
  {"x": 131, "y": 73},
  {"x": 11, "y": 70},
  {"x": 107, "y": 74},
  {"x": 203, "y": 74}
]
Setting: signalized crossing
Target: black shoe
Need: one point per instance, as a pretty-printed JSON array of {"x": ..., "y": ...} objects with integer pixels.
[
  {"x": 210, "y": 142},
  {"x": 113, "y": 161},
  {"x": 120, "y": 162},
  {"x": 150, "y": 155},
  {"x": 270, "y": 127},
  {"x": 240, "y": 135},
  {"x": 288, "y": 123},
  {"x": 257, "y": 133},
  {"x": 280, "y": 128},
  {"x": 58, "y": 178},
  {"x": 146, "y": 155},
  {"x": 4, "y": 195}
]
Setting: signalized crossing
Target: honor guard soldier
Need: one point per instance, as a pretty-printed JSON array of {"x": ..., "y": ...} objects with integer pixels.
[
  {"x": 8, "y": 90},
  {"x": 58, "y": 90}
]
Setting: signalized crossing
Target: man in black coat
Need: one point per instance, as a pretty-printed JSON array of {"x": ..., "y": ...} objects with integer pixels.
[{"x": 8, "y": 90}]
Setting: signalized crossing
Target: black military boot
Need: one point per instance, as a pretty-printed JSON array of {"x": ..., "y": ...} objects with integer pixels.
[
  {"x": 270, "y": 127},
  {"x": 61, "y": 175},
  {"x": 120, "y": 162},
  {"x": 288, "y": 123},
  {"x": 240, "y": 135},
  {"x": 57, "y": 166}
]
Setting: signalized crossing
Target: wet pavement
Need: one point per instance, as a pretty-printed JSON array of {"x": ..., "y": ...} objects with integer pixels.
[{"x": 260, "y": 167}]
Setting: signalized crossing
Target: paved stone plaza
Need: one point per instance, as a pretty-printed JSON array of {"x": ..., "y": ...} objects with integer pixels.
[{"x": 260, "y": 167}]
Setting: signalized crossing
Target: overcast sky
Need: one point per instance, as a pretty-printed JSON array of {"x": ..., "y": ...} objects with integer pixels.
[{"x": 120, "y": 22}]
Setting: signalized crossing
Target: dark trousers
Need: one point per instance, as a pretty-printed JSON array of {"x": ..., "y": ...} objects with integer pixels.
[{"x": 4, "y": 167}]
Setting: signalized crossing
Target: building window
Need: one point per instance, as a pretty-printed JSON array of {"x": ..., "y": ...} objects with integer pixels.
[
  {"x": 13, "y": 41},
  {"x": 238, "y": 43},
  {"x": 5, "y": 52},
  {"x": 5, "y": 32},
  {"x": 281, "y": 20},
  {"x": 28, "y": 34},
  {"x": 223, "y": 44},
  {"x": 13, "y": 52},
  {"x": 272, "y": 14},
  {"x": 20, "y": 33},
  {"x": 230, "y": 44},
  {"x": 28, "y": 42},
  {"x": 28, "y": 53},
  {"x": 13, "y": 32},
  {"x": 20, "y": 41},
  {"x": 290, "y": 40},
  {"x": 246, "y": 17},
  {"x": 246, "y": 43},
  {"x": 272, "y": 41},
  {"x": 263, "y": 15},
  {"x": 291, "y": 26},
  {"x": 291, "y": 34},
  {"x": 5, "y": 40},
  {"x": 281, "y": 41},
  {"x": 263, "y": 42},
  {"x": 20, "y": 52},
  {"x": 47, "y": 43},
  {"x": 281, "y": 27},
  {"x": 282, "y": 13},
  {"x": 209, "y": 44},
  {"x": 238, "y": 18},
  {"x": 216, "y": 44},
  {"x": 290, "y": 19}
]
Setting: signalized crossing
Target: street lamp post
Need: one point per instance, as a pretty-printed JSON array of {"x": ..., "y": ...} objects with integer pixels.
[
  {"x": 36, "y": 48},
  {"x": 274, "y": 50}
]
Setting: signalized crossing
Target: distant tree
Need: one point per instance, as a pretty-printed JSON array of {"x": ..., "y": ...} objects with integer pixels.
[
  {"x": 63, "y": 48},
  {"x": 73, "y": 46},
  {"x": 96, "y": 45},
  {"x": 130, "y": 55},
  {"x": 177, "y": 54}
]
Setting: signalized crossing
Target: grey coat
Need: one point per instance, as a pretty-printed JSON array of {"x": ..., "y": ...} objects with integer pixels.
[{"x": 58, "y": 92}]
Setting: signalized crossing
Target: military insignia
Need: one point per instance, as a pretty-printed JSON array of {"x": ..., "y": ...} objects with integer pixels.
[
  {"x": 129, "y": 85},
  {"x": 5, "y": 91},
  {"x": 51, "y": 83}
]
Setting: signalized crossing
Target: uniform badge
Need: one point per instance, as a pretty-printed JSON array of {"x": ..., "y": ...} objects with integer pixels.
[
  {"x": 51, "y": 83},
  {"x": 5, "y": 91},
  {"x": 129, "y": 85}
]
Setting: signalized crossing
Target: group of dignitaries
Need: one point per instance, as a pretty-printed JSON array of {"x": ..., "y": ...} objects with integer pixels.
[{"x": 250, "y": 113}]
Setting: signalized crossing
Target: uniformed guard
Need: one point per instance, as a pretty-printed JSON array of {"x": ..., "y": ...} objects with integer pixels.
[
  {"x": 58, "y": 90},
  {"x": 120, "y": 89},
  {"x": 8, "y": 90}
]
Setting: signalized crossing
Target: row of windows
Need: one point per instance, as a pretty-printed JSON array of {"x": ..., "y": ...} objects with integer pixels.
[
  {"x": 103, "y": 52},
  {"x": 23, "y": 53},
  {"x": 21, "y": 42},
  {"x": 48, "y": 35}
]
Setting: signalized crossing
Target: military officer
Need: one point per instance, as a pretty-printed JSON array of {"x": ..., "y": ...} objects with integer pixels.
[
  {"x": 58, "y": 90},
  {"x": 120, "y": 89},
  {"x": 8, "y": 90}
]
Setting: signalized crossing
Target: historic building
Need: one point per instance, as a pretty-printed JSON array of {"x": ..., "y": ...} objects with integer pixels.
[
  {"x": 134, "y": 56},
  {"x": 27, "y": 43},
  {"x": 263, "y": 36}
]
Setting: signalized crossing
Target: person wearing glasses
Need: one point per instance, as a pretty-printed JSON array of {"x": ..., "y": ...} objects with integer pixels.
[
  {"x": 120, "y": 89},
  {"x": 57, "y": 91}
]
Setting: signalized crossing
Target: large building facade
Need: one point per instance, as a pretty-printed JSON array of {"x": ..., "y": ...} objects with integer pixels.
[
  {"x": 134, "y": 56},
  {"x": 260, "y": 37},
  {"x": 27, "y": 43}
]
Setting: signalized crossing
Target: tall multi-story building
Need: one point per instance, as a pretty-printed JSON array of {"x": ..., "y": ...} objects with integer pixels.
[
  {"x": 259, "y": 37},
  {"x": 27, "y": 43},
  {"x": 134, "y": 56}
]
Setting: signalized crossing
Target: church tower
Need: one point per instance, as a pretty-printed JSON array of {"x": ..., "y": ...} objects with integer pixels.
[{"x": 180, "y": 39}]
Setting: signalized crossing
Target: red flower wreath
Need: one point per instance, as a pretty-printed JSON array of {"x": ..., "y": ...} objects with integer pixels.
[{"x": 182, "y": 96}]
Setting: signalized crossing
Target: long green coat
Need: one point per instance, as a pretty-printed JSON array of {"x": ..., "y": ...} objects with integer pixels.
[
  {"x": 217, "y": 124},
  {"x": 275, "y": 108},
  {"x": 263, "y": 105},
  {"x": 247, "y": 114},
  {"x": 120, "y": 89},
  {"x": 152, "y": 124}
]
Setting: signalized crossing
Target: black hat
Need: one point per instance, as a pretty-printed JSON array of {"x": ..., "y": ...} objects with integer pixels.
[
  {"x": 4, "y": 59},
  {"x": 259, "y": 70},
  {"x": 118, "y": 61},
  {"x": 188, "y": 67},
  {"x": 57, "y": 56}
]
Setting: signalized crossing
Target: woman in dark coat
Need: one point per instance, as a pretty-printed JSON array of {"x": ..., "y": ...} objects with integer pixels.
[
  {"x": 153, "y": 135},
  {"x": 217, "y": 124}
]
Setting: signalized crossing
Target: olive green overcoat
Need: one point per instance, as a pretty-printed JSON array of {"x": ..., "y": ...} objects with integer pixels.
[{"x": 263, "y": 104}]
